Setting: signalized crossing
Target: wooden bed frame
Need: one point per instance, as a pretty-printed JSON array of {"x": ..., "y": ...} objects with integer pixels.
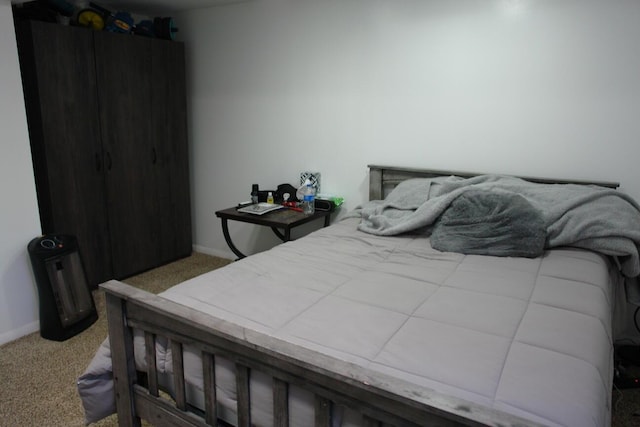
[
  {"x": 383, "y": 179},
  {"x": 382, "y": 400}
]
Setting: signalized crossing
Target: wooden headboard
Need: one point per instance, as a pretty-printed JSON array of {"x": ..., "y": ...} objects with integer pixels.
[{"x": 383, "y": 179}]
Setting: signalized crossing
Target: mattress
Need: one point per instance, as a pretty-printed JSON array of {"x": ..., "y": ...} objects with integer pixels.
[{"x": 529, "y": 336}]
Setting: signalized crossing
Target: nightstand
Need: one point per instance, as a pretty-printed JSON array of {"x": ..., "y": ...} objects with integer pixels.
[{"x": 281, "y": 222}]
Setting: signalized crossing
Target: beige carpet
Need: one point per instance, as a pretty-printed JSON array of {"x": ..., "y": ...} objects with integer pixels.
[{"x": 38, "y": 376}]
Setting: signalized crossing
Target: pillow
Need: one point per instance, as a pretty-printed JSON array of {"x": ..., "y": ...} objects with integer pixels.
[
  {"x": 412, "y": 193},
  {"x": 494, "y": 223}
]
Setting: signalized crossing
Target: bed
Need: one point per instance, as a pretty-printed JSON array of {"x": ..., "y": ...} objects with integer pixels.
[{"x": 366, "y": 323}]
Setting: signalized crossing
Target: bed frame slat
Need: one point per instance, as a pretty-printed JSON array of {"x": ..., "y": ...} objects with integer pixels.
[
  {"x": 243, "y": 395},
  {"x": 209, "y": 383},
  {"x": 152, "y": 368},
  {"x": 280, "y": 403},
  {"x": 322, "y": 410},
  {"x": 178, "y": 375}
]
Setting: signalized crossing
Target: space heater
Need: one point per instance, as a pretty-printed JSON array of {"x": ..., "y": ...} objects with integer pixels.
[{"x": 66, "y": 305}]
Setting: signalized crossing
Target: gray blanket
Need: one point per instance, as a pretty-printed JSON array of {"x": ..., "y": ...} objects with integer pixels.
[{"x": 590, "y": 217}]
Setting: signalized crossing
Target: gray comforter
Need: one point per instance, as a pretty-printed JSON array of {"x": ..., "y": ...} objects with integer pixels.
[
  {"x": 529, "y": 336},
  {"x": 589, "y": 217}
]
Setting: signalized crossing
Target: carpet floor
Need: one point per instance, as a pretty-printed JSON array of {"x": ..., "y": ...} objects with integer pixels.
[{"x": 38, "y": 376}]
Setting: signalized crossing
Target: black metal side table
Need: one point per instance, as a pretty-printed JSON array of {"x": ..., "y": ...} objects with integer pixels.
[{"x": 281, "y": 222}]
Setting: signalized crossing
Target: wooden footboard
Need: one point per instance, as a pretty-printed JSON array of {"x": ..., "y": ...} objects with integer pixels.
[{"x": 382, "y": 400}]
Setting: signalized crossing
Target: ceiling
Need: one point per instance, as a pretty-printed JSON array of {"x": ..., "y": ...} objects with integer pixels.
[{"x": 153, "y": 7}]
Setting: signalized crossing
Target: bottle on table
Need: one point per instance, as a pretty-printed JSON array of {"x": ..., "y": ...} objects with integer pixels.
[
  {"x": 270, "y": 198},
  {"x": 308, "y": 202}
]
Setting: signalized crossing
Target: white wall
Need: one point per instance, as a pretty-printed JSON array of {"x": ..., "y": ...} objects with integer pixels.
[
  {"x": 548, "y": 88},
  {"x": 541, "y": 88},
  {"x": 19, "y": 211}
]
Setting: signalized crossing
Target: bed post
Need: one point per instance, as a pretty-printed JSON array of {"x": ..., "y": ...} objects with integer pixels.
[
  {"x": 375, "y": 183},
  {"x": 124, "y": 371}
]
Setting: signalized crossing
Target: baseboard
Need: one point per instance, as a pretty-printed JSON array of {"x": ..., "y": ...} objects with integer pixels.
[
  {"x": 214, "y": 252},
  {"x": 19, "y": 332}
]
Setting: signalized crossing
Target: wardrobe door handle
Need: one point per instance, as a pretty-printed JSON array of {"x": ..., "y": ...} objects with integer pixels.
[
  {"x": 154, "y": 156},
  {"x": 108, "y": 161}
]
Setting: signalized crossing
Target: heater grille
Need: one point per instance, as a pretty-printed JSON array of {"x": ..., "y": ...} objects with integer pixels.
[{"x": 70, "y": 289}]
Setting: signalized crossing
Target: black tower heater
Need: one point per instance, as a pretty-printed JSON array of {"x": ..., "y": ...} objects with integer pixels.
[{"x": 66, "y": 305}]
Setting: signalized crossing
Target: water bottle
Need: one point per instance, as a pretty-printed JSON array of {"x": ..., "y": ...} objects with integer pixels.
[{"x": 308, "y": 203}]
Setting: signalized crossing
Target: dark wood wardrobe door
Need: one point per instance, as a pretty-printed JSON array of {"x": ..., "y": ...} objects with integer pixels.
[
  {"x": 58, "y": 71},
  {"x": 169, "y": 111},
  {"x": 123, "y": 67}
]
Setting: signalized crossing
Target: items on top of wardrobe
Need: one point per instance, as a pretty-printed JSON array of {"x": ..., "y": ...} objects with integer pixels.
[{"x": 96, "y": 17}]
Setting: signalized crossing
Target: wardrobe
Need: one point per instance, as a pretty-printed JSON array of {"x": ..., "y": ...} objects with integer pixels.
[{"x": 108, "y": 129}]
